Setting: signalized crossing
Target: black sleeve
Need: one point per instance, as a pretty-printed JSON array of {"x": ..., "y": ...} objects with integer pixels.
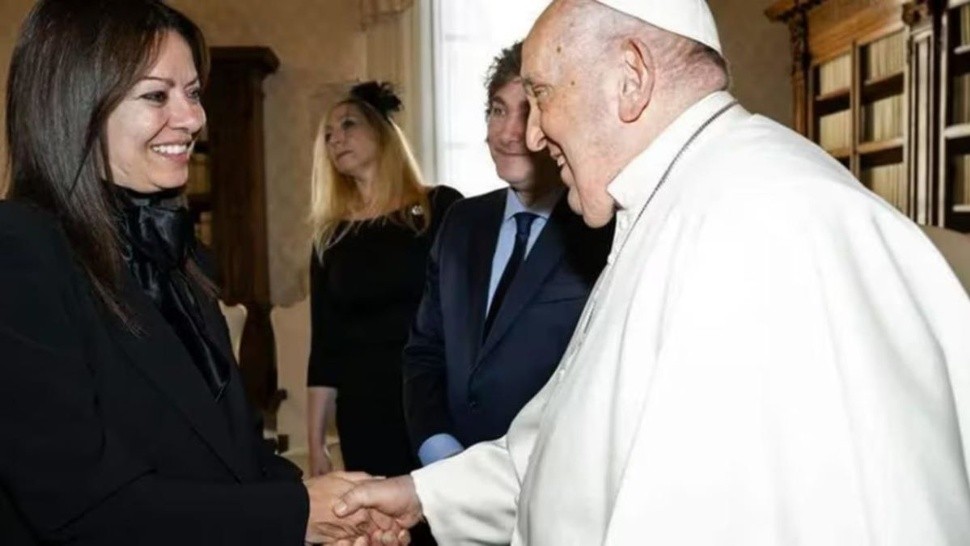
[
  {"x": 69, "y": 476},
  {"x": 425, "y": 381},
  {"x": 326, "y": 348},
  {"x": 274, "y": 466},
  {"x": 442, "y": 198}
]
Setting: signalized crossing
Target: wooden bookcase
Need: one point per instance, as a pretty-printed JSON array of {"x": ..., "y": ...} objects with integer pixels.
[
  {"x": 851, "y": 79},
  {"x": 877, "y": 84},
  {"x": 227, "y": 197},
  {"x": 953, "y": 198}
]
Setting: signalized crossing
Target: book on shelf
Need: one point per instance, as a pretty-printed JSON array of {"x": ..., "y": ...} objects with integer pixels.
[
  {"x": 964, "y": 17},
  {"x": 961, "y": 99},
  {"x": 886, "y": 56},
  {"x": 835, "y": 75},
  {"x": 883, "y": 119},
  {"x": 961, "y": 180},
  {"x": 888, "y": 182},
  {"x": 199, "y": 181},
  {"x": 835, "y": 130},
  {"x": 203, "y": 229}
]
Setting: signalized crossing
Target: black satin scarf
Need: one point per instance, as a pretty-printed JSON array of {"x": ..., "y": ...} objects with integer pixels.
[{"x": 157, "y": 241}]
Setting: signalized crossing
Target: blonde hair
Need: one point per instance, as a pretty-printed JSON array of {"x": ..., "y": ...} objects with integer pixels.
[{"x": 397, "y": 187}]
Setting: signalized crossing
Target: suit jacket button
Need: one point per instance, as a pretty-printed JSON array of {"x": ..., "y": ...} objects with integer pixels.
[{"x": 473, "y": 403}]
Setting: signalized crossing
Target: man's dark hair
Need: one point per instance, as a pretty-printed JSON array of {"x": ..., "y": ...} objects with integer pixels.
[{"x": 505, "y": 68}]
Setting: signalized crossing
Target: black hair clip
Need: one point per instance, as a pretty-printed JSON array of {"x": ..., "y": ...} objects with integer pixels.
[{"x": 379, "y": 95}]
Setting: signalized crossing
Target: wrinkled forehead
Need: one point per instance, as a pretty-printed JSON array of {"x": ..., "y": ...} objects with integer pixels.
[
  {"x": 537, "y": 61},
  {"x": 545, "y": 50}
]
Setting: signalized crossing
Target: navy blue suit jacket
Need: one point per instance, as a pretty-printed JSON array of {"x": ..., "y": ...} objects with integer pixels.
[{"x": 457, "y": 383}]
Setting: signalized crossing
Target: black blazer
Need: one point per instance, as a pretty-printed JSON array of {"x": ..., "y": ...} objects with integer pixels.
[
  {"x": 456, "y": 382},
  {"x": 113, "y": 438}
]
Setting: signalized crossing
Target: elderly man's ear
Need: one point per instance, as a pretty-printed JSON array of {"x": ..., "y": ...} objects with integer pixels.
[{"x": 636, "y": 85}]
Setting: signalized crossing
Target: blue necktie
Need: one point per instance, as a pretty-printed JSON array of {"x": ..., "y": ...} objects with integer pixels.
[{"x": 523, "y": 225}]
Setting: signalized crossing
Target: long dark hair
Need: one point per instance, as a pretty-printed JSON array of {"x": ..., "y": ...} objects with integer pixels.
[{"x": 73, "y": 63}]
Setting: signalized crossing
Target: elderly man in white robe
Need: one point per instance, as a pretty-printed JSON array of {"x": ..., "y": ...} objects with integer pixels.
[{"x": 773, "y": 355}]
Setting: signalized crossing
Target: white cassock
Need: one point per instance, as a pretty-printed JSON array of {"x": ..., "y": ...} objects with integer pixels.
[{"x": 773, "y": 356}]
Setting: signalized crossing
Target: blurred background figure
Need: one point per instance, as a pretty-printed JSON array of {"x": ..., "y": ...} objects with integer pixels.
[{"x": 373, "y": 222}]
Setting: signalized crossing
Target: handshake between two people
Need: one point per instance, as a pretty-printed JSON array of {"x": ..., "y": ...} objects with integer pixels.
[{"x": 356, "y": 509}]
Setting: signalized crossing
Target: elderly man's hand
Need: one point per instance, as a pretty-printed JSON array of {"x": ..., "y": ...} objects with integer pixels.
[
  {"x": 396, "y": 498},
  {"x": 357, "y": 528}
]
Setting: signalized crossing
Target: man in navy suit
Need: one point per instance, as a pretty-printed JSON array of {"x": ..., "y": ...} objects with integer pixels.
[{"x": 508, "y": 276}]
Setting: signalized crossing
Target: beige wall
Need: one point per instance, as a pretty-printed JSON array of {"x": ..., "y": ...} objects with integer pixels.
[{"x": 758, "y": 53}]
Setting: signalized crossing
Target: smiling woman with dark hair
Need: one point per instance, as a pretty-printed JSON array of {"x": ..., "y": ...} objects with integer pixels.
[{"x": 123, "y": 414}]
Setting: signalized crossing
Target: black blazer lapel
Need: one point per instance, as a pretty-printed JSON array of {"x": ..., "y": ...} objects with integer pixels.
[
  {"x": 159, "y": 355},
  {"x": 215, "y": 324},
  {"x": 242, "y": 423},
  {"x": 483, "y": 240},
  {"x": 545, "y": 255}
]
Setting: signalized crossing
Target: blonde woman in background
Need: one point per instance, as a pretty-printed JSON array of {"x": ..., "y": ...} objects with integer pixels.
[{"x": 373, "y": 223}]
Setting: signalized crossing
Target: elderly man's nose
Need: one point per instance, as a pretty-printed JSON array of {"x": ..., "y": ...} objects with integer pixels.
[{"x": 535, "y": 139}]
